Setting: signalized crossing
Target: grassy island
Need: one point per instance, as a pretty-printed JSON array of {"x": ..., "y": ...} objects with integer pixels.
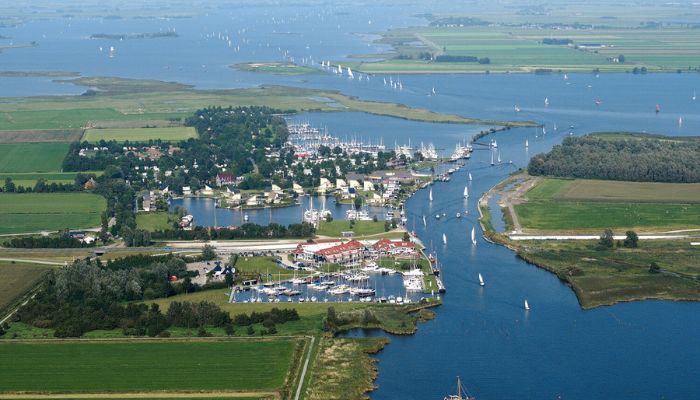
[{"x": 276, "y": 68}]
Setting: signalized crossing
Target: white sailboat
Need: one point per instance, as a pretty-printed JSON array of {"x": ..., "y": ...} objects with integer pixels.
[
  {"x": 565, "y": 77},
  {"x": 491, "y": 157},
  {"x": 433, "y": 90},
  {"x": 470, "y": 177},
  {"x": 546, "y": 101},
  {"x": 473, "y": 235},
  {"x": 430, "y": 195},
  {"x": 350, "y": 75},
  {"x": 680, "y": 121},
  {"x": 527, "y": 144},
  {"x": 425, "y": 222},
  {"x": 527, "y": 306},
  {"x": 481, "y": 281},
  {"x": 444, "y": 239},
  {"x": 517, "y": 109},
  {"x": 695, "y": 96},
  {"x": 499, "y": 156},
  {"x": 466, "y": 192}
]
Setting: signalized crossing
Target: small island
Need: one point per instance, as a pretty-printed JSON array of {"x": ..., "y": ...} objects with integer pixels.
[
  {"x": 125, "y": 36},
  {"x": 276, "y": 68}
]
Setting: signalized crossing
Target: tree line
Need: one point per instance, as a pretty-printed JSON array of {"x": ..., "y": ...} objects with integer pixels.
[
  {"x": 245, "y": 231},
  {"x": 640, "y": 159}
]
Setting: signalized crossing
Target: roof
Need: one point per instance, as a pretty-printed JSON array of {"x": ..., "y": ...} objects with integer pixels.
[
  {"x": 386, "y": 244},
  {"x": 341, "y": 248}
]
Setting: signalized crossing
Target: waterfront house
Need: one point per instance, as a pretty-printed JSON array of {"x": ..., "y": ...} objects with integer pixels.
[
  {"x": 186, "y": 190},
  {"x": 225, "y": 178},
  {"x": 297, "y": 188}
]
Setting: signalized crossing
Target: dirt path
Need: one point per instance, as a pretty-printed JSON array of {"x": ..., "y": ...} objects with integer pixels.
[
  {"x": 306, "y": 366},
  {"x": 510, "y": 198}
]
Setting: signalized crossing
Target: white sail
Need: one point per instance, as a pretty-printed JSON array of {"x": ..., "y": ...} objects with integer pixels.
[
  {"x": 491, "y": 157},
  {"x": 433, "y": 90},
  {"x": 425, "y": 223},
  {"x": 499, "y": 156},
  {"x": 473, "y": 235},
  {"x": 526, "y": 143},
  {"x": 466, "y": 192},
  {"x": 546, "y": 101},
  {"x": 350, "y": 75},
  {"x": 430, "y": 195},
  {"x": 527, "y": 306},
  {"x": 470, "y": 176},
  {"x": 481, "y": 280},
  {"x": 444, "y": 238},
  {"x": 680, "y": 121}
]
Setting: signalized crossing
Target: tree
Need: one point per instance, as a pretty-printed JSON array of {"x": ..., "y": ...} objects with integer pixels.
[
  {"x": 607, "y": 239},
  {"x": 654, "y": 268},
  {"x": 621, "y": 58},
  {"x": 631, "y": 241},
  {"x": 406, "y": 237},
  {"x": 9, "y": 185},
  {"x": 208, "y": 253},
  {"x": 229, "y": 330},
  {"x": 229, "y": 279}
]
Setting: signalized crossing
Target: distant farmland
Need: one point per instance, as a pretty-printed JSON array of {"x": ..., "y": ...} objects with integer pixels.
[
  {"x": 16, "y": 279},
  {"x": 33, "y": 212},
  {"x": 40, "y": 135},
  {"x": 140, "y": 365},
  {"x": 140, "y": 134},
  {"x": 32, "y": 157}
]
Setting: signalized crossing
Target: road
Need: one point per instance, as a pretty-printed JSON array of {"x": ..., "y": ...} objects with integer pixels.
[{"x": 306, "y": 365}]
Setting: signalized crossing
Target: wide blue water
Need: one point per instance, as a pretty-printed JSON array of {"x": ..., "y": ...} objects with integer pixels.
[{"x": 640, "y": 350}]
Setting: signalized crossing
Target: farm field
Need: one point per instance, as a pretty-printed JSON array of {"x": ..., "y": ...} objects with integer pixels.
[
  {"x": 41, "y": 135},
  {"x": 518, "y": 49},
  {"x": 142, "y": 365},
  {"x": 172, "y": 134},
  {"x": 558, "y": 204},
  {"x": 32, "y": 157},
  {"x": 34, "y": 212},
  {"x": 17, "y": 278}
]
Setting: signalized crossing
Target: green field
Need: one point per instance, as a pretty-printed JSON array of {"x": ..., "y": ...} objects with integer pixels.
[
  {"x": 591, "y": 206},
  {"x": 266, "y": 267},
  {"x": 520, "y": 49},
  {"x": 40, "y": 135},
  {"x": 255, "y": 364},
  {"x": 32, "y": 157},
  {"x": 360, "y": 228},
  {"x": 173, "y": 134},
  {"x": 18, "y": 278},
  {"x": 154, "y": 221},
  {"x": 34, "y": 212}
]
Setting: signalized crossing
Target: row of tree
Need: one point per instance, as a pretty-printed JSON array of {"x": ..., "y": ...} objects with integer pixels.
[
  {"x": 641, "y": 159},
  {"x": 245, "y": 231}
]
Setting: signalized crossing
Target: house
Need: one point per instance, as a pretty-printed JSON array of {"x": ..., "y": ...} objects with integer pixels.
[
  {"x": 368, "y": 186},
  {"x": 147, "y": 202},
  {"x": 225, "y": 178},
  {"x": 253, "y": 201},
  {"x": 232, "y": 195},
  {"x": 394, "y": 248},
  {"x": 340, "y": 184},
  {"x": 186, "y": 190},
  {"x": 297, "y": 188},
  {"x": 90, "y": 184},
  {"x": 275, "y": 188},
  {"x": 207, "y": 191},
  {"x": 331, "y": 252},
  {"x": 376, "y": 200},
  {"x": 325, "y": 184}
]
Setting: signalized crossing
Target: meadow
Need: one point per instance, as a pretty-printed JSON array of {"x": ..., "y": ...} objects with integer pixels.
[
  {"x": 34, "y": 212},
  {"x": 360, "y": 228},
  {"x": 520, "y": 49},
  {"x": 171, "y": 134},
  {"x": 18, "y": 278},
  {"x": 141, "y": 365},
  {"x": 591, "y": 206},
  {"x": 32, "y": 157},
  {"x": 40, "y": 135},
  {"x": 153, "y": 221}
]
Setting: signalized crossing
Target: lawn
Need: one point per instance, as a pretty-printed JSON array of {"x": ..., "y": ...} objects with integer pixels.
[
  {"x": 173, "y": 134},
  {"x": 252, "y": 364},
  {"x": 55, "y": 118},
  {"x": 32, "y": 157},
  {"x": 154, "y": 221},
  {"x": 34, "y": 212},
  {"x": 360, "y": 228},
  {"x": 266, "y": 267},
  {"x": 591, "y": 206},
  {"x": 18, "y": 278}
]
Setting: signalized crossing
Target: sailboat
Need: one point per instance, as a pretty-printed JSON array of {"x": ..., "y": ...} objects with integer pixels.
[
  {"x": 430, "y": 195},
  {"x": 425, "y": 223},
  {"x": 470, "y": 177},
  {"x": 517, "y": 109},
  {"x": 658, "y": 108},
  {"x": 565, "y": 77},
  {"x": 695, "y": 96},
  {"x": 461, "y": 393},
  {"x": 444, "y": 239},
  {"x": 527, "y": 306},
  {"x": 466, "y": 192},
  {"x": 499, "y": 156},
  {"x": 680, "y": 121},
  {"x": 546, "y": 101},
  {"x": 433, "y": 91},
  {"x": 527, "y": 144},
  {"x": 481, "y": 281},
  {"x": 491, "y": 157},
  {"x": 473, "y": 236},
  {"x": 350, "y": 75}
]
